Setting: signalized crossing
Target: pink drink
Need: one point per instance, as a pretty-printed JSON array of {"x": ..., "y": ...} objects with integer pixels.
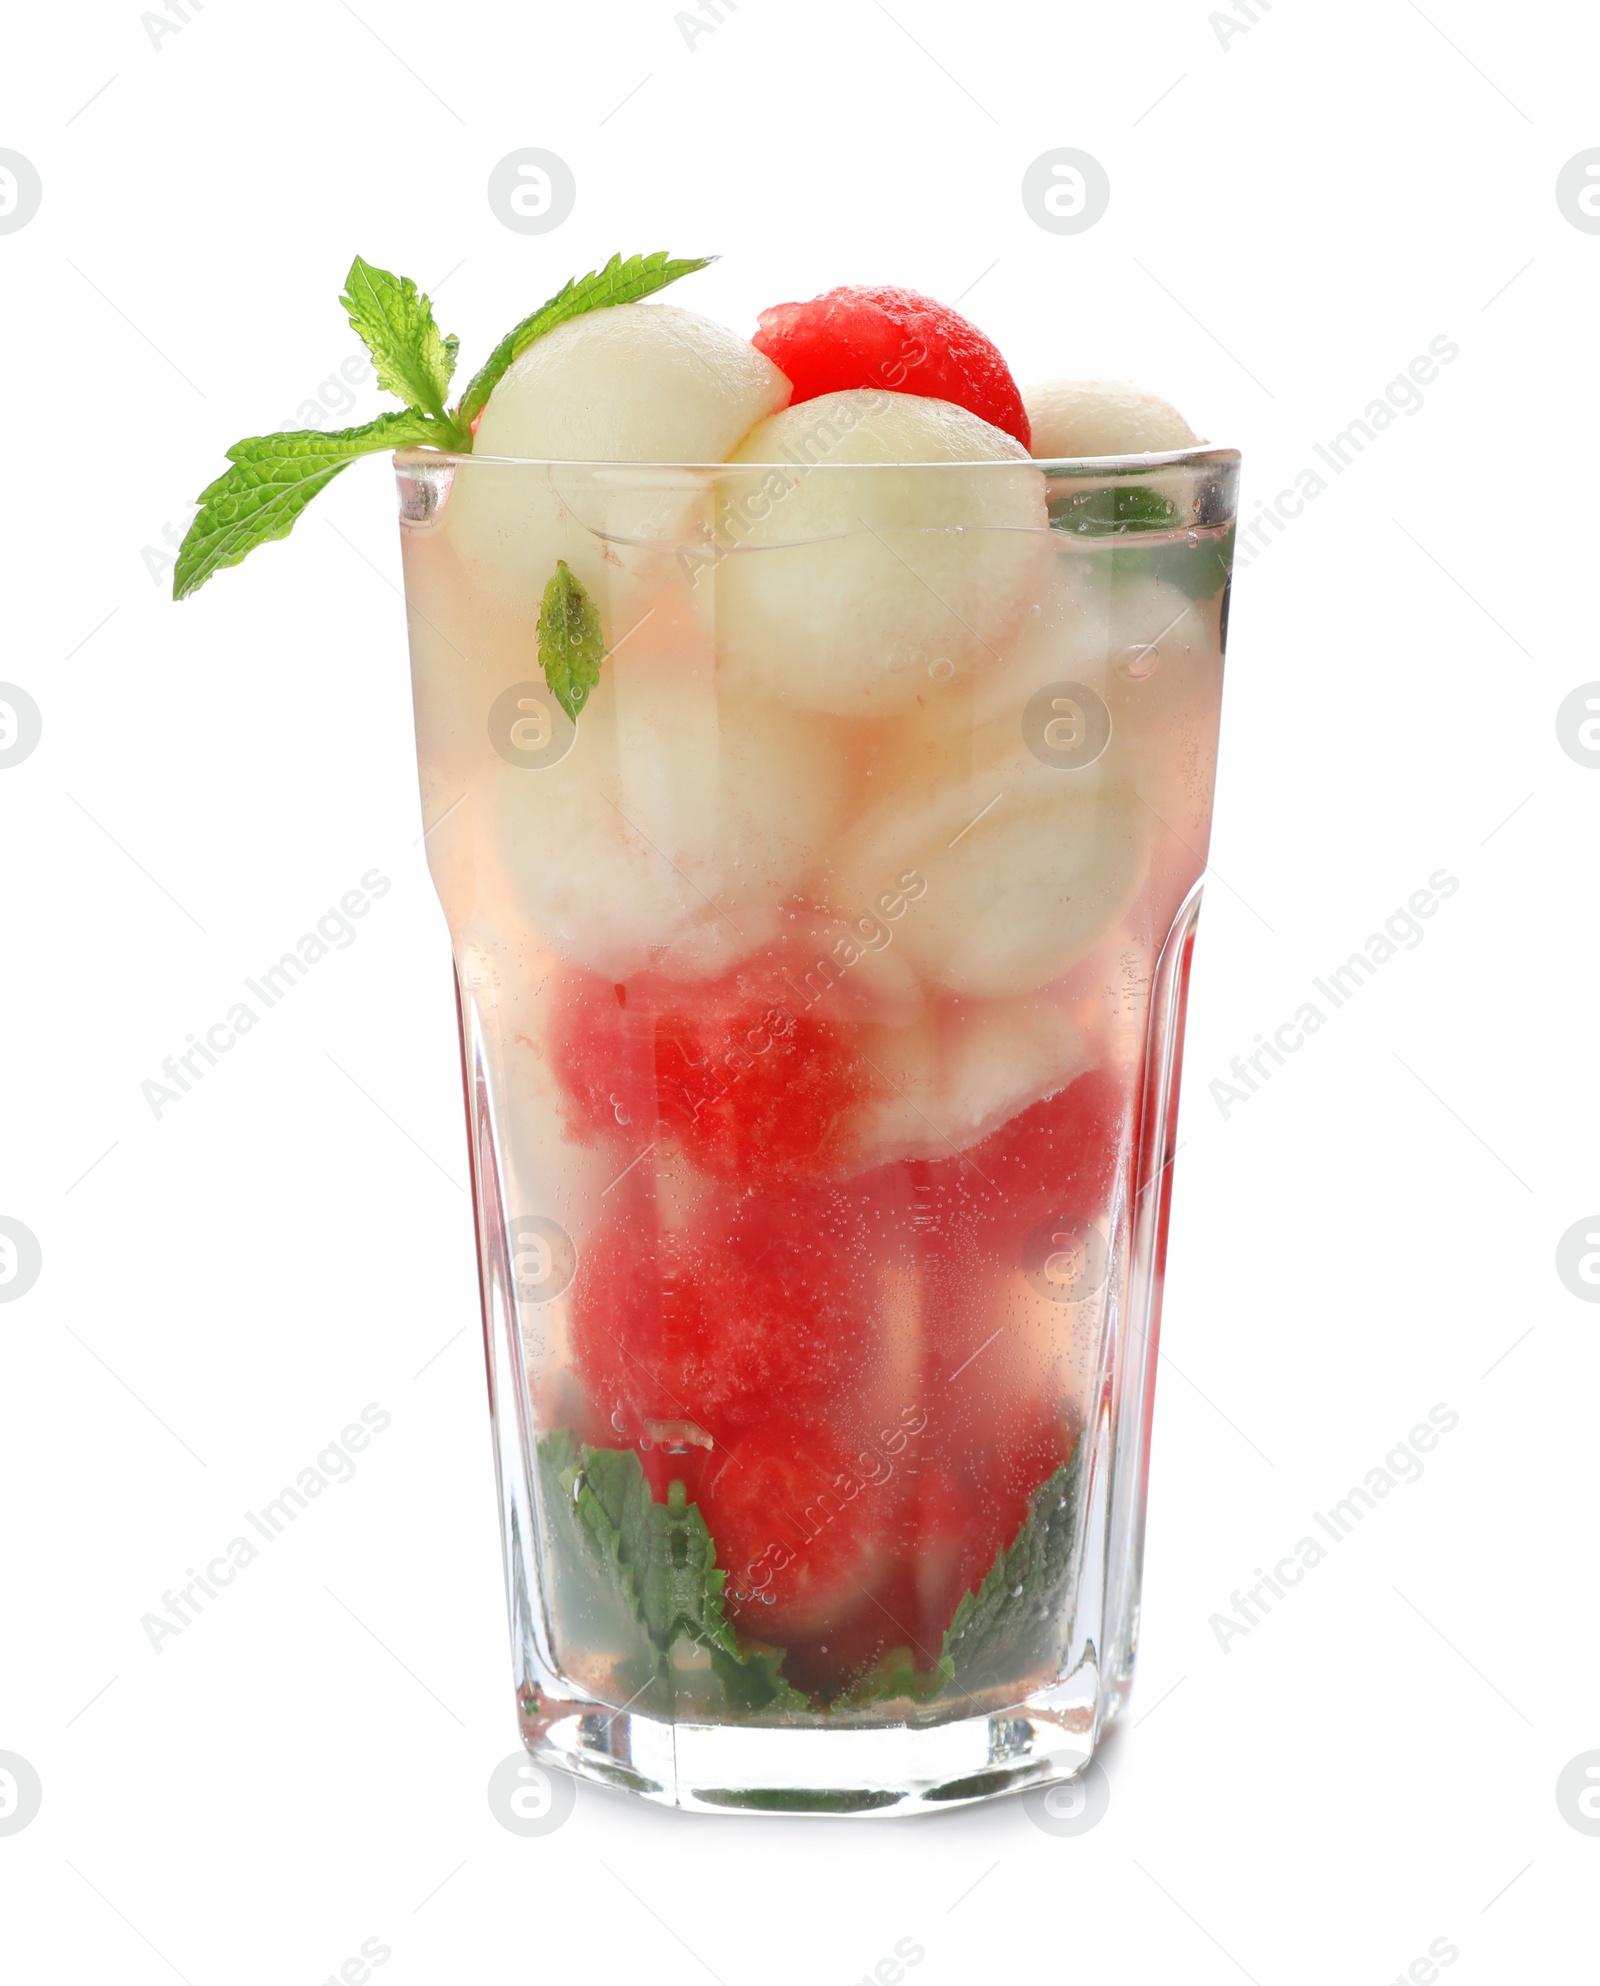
[{"x": 821, "y": 997}]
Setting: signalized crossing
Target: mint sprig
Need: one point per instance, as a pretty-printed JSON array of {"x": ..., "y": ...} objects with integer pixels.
[
  {"x": 273, "y": 477},
  {"x": 894, "y": 1675},
  {"x": 618, "y": 282},
  {"x": 571, "y": 644},
  {"x": 1005, "y": 1628},
  {"x": 655, "y": 1564},
  {"x": 394, "y": 320},
  {"x": 1011, "y": 1625},
  {"x": 659, "y": 1559}
]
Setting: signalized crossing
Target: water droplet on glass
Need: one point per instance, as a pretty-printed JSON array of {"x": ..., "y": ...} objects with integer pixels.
[
  {"x": 1193, "y": 538},
  {"x": 1138, "y": 663},
  {"x": 942, "y": 670}
]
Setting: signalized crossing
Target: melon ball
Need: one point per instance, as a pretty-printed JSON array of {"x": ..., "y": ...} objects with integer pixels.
[
  {"x": 962, "y": 1071},
  {"x": 847, "y": 556},
  {"x": 1025, "y": 865},
  {"x": 640, "y": 382},
  {"x": 1072, "y": 418},
  {"x": 637, "y": 383},
  {"x": 678, "y": 823}
]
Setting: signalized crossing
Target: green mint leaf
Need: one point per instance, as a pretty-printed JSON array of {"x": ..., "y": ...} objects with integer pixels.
[
  {"x": 1112, "y": 511},
  {"x": 271, "y": 479},
  {"x": 1129, "y": 511},
  {"x": 663, "y": 1551},
  {"x": 1011, "y": 1625},
  {"x": 395, "y": 323},
  {"x": 571, "y": 645},
  {"x": 618, "y": 282},
  {"x": 1199, "y": 570},
  {"x": 751, "y": 1682},
  {"x": 660, "y": 1561},
  {"x": 895, "y": 1674}
]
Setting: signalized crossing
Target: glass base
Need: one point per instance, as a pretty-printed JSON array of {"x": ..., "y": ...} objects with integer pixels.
[{"x": 877, "y": 1768}]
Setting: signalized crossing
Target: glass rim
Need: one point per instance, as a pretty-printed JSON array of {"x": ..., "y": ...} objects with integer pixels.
[{"x": 1204, "y": 455}]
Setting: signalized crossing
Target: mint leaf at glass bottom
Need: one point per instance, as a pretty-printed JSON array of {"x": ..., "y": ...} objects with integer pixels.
[
  {"x": 1011, "y": 1628},
  {"x": 270, "y": 480},
  {"x": 896, "y": 1675},
  {"x": 658, "y": 1561},
  {"x": 1007, "y": 1629}
]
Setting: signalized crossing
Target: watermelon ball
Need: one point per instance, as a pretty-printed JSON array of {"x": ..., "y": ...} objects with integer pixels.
[
  {"x": 841, "y": 1653},
  {"x": 896, "y": 340},
  {"x": 757, "y": 1090},
  {"x": 801, "y": 1533},
  {"x": 1058, "y": 1157},
  {"x": 679, "y": 1327}
]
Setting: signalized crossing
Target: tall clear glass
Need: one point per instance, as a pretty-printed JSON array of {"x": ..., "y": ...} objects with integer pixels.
[{"x": 821, "y": 994}]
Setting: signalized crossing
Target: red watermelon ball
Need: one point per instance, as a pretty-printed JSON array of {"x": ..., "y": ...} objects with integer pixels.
[{"x": 894, "y": 339}]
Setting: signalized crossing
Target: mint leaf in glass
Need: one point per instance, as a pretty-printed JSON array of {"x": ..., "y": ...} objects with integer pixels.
[
  {"x": 1198, "y": 570},
  {"x": 571, "y": 645},
  {"x": 659, "y": 1560},
  {"x": 271, "y": 479},
  {"x": 1010, "y": 1627},
  {"x": 618, "y": 282},
  {"x": 1112, "y": 511},
  {"x": 1132, "y": 511},
  {"x": 896, "y": 1674},
  {"x": 394, "y": 320}
]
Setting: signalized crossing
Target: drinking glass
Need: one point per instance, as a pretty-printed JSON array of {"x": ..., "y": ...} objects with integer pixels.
[{"x": 821, "y": 990}]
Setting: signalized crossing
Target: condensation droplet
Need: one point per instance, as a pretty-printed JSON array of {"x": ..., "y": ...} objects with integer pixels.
[
  {"x": 1138, "y": 663},
  {"x": 942, "y": 670}
]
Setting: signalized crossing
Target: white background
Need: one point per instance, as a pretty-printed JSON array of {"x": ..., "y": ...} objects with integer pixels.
[{"x": 1299, "y": 213}]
